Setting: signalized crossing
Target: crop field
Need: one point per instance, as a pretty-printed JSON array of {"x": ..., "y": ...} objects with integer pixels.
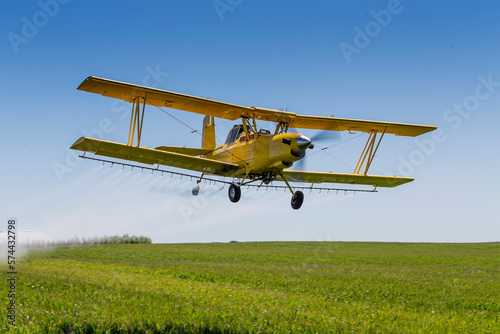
[{"x": 265, "y": 287}]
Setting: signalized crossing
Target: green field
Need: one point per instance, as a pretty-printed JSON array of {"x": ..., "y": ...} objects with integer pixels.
[{"x": 268, "y": 287}]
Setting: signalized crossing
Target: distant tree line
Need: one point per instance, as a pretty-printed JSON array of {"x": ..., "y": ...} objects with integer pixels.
[{"x": 114, "y": 239}]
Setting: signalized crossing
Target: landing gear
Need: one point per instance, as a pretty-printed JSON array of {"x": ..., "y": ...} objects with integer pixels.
[
  {"x": 297, "y": 200},
  {"x": 234, "y": 192},
  {"x": 297, "y": 197},
  {"x": 196, "y": 190}
]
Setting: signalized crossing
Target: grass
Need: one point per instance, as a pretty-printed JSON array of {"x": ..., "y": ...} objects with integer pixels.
[{"x": 285, "y": 287}]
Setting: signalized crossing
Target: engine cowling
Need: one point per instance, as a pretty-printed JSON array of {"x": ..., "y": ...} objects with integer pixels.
[{"x": 286, "y": 148}]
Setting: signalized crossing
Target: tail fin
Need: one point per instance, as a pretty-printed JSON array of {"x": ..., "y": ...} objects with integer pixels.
[{"x": 208, "y": 135}]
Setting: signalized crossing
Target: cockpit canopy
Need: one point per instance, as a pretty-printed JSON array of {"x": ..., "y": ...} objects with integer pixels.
[
  {"x": 237, "y": 133},
  {"x": 234, "y": 134}
]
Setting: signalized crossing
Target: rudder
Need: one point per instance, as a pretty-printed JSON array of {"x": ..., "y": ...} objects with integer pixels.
[{"x": 208, "y": 134}]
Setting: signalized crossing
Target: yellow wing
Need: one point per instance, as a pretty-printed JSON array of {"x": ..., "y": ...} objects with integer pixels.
[
  {"x": 162, "y": 98},
  {"x": 153, "y": 156},
  {"x": 357, "y": 125},
  {"x": 184, "y": 150},
  {"x": 320, "y": 177}
]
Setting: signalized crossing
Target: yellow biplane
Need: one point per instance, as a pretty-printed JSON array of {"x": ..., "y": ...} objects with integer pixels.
[{"x": 249, "y": 154}]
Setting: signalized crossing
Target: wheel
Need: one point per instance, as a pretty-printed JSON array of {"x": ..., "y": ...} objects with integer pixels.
[
  {"x": 234, "y": 192},
  {"x": 297, "y": 200},
  {"x": 196, "y": 190}
]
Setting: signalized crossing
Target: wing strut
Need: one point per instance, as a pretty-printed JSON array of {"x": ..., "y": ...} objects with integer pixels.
[
  {"x": 281, "y": 127},
  {"x": 136, "y": 121},
  {"x": 368, "y": 152}
]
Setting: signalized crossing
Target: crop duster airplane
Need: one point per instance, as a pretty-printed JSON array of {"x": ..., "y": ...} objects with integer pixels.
[{"x": 249, "y": 154}]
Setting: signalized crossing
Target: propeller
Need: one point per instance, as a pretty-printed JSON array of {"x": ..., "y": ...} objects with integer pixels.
[
  {"x": 325, "y": 135},
  {"x": 320, "y": 136}
]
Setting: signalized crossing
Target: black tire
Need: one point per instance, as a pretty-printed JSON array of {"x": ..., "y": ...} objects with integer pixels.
[
  {"x": 234, "y": 192},
  {"x": 297, "y": 200},
  {"x": 196, "y": 190}
]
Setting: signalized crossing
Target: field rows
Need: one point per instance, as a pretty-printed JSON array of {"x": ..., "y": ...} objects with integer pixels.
[{"x": 260, "y": 287}]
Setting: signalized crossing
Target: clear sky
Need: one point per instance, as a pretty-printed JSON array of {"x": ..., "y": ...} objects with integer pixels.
[{"x": 422, "y": 62}]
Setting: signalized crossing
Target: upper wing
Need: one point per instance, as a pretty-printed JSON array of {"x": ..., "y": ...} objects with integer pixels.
[
  {"x": 162, "y": 98},
  {"x": 153, "y": 156},
  {"x": 320, "y": 177},
  {"x": 345, "y": 124}
]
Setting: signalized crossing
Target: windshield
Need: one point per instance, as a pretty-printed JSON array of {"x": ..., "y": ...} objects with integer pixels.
[{"x": 234, "y": 134}]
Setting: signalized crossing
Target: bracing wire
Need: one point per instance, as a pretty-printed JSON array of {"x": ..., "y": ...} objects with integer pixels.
[{"x": 178, "y": 120}]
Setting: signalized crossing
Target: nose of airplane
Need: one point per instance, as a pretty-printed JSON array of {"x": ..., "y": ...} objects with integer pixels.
[{"x": 303, "y": 142}]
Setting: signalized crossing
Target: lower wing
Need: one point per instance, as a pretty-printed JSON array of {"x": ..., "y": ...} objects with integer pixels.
[
  {"x": 184, "y": 150},
  {"x": 321, "y": 177},
  {"x": 154, "y": 156}
]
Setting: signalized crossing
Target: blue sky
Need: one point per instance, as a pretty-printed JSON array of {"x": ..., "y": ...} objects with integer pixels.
[{"x": 418, "y": 62}]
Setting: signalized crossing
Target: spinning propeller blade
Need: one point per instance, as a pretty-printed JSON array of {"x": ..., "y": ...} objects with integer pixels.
[{"x": 320, "y": 136}]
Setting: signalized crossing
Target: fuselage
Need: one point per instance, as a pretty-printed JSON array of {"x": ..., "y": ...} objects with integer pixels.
[{"x": 261, "y": 153}]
